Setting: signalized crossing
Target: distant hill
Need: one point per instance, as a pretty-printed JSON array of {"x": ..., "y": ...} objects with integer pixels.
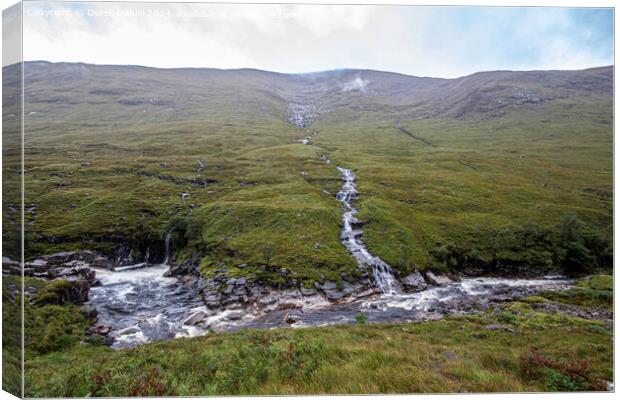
[{"x": 62, "y": 90}]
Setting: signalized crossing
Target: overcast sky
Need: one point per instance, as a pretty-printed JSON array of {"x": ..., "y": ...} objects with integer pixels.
[{"x": 423, "y": 41}]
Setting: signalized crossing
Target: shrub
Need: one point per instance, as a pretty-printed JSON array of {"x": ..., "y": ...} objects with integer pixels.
[{"x": 556, "y": 375}]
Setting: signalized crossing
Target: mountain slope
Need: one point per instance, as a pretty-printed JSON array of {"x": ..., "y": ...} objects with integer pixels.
[{"x": 441, "y": 163}]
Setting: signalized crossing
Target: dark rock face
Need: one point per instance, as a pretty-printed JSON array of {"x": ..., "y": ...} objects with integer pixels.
[
  {"x": 63, "y": 291},
  {"x": 414, "y": 282},
  {"x": 74, "y": 265},
  {"x": 10, "y": 266},
  {"x": 70, "y": 274},
  {"x": 223, "y": 291},
  {"x": 185, "y": 268},
  {"x": 72, "y": 271}
]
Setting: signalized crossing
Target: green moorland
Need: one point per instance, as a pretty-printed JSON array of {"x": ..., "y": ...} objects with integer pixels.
[
  {"x": 515, "y": 348},
  {"x": 498, "y": 170},
  {"x": 494, "y": 169}
]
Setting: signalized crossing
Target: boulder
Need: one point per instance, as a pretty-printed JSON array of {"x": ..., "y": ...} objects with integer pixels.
[
  {"x": 291, "y": 318},
  {"x": 73, "y": 270},
  {"x": 100, "y": 329},
  {"x": 414, "y": 282},
  {"x": 307, "y": 291},
  {"x": 186, "y": 268},
  {"x": 195, "y": 318},
  {"x": 334, "y": 295},
  {"x": 128, "y": 331},
  {"x": 234, "y": 315},
  {"x": 437, "y": 280}
]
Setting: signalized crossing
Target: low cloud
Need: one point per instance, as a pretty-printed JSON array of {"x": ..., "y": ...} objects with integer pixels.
[{"x": 358, "y": 84}]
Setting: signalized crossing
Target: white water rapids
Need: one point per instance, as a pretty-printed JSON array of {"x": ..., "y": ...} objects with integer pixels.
[
  {"x": 140, "y": 304},
  {"x": 352, "y": 233}
]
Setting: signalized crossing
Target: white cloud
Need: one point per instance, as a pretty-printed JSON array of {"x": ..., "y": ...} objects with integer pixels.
[
  {"x": 423, "y": 41},
  {"x": 358, "y": 83}
]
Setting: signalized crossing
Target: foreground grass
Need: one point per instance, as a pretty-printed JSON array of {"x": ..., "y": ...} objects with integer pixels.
[
  {"x": 517, "y": 349},
  {"x": 595, "y": 292}
]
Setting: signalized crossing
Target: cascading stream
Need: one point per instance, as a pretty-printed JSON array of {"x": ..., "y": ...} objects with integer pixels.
[
  {"x": 352, "y": 233},
  {"x": 301, "y": 116},
  {"x": 167, "y": 248}
]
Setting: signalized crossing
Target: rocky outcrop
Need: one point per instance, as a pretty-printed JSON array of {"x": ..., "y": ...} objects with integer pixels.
[
  {"x": 69, "y": 273},
  {"x": 224, "y": 292},
  {"x": 189, "y": 267},
  {"x": 414, "y": 282},
  {"x": 10, "y": 266},
  {"x": 64, "y": 291},
  {"x": 73, "y": 265}
]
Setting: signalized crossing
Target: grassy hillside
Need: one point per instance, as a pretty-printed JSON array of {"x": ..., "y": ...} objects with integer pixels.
[{"x": 444, "y": 166}]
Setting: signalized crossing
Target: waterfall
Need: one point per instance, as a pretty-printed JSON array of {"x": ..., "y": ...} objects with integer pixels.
[
  {"x": 146, "y": 258},
  {"x": 167, "y": 248},
  {"x": 302, "y": 115},
  {"x": 352, "y": 233}
]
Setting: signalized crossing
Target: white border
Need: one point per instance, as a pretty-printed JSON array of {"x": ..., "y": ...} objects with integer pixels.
[{"x": 505, "y": 3}]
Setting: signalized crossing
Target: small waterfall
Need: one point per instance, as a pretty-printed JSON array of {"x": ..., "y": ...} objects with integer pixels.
[
  {"x": 301, "y": 115},
  {"x": 352, "y": 233},
  {"x": 167, "y": 248}
]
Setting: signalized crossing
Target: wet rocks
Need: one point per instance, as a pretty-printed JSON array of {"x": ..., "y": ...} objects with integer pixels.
[
  {"x": 235, "y": 315},
  {"x": 10, "y": 266},
  {"x": 436, "y": 280},
  {"x": 189, "y": 267},
  {"x": 196, "y": 318},
  {"x": 71, "y": 265},
  {"x": 73, "y": 270},
  {"x": 414, "y": 282},
  {"x": 291, "y": 318},
  {"x": 100, "y": 330},
  {"x": 222, "y": 290},
  {"x": 327, "y": 286}
]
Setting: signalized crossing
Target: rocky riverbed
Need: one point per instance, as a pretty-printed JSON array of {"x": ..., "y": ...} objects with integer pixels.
[{"x": 135, "y": 304}]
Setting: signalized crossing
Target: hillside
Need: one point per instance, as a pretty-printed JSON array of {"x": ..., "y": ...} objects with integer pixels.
[
  {"x": 261, "y": 201},
  {"x": 120, "y": 155}
]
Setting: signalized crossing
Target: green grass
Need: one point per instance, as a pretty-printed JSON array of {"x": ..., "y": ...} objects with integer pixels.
[
  {"x": 107, "y": 172},
  {"x": 540, "y": 352},
  {"x": 532, "y": 351},
  {"x": 105, "y": 166},
  {"x": 593, "y": 292}
]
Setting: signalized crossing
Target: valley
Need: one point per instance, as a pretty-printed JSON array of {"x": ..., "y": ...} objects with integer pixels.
[{"x": 193, "y": 208}]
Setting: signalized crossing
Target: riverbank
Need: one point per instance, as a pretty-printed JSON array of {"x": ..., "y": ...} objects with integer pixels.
[
  {"x": 128, "y": 306},
  {"x": 528, "y": 345}
]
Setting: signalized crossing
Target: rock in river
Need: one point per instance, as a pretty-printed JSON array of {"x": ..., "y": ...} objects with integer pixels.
[
  {"x": 414, "y": 282},
  {"x": 437, "y": 280}
]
